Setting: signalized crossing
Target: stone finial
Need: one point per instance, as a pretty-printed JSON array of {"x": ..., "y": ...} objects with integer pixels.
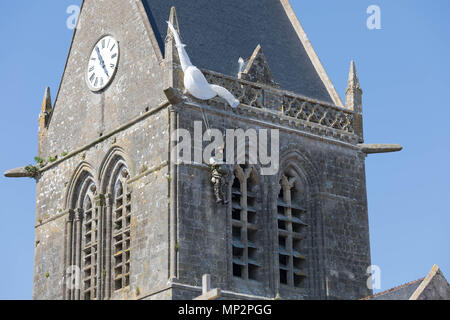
[
  {"x": 44, "y": 119},
  {"x": 173, "y": 19},
  {"x": 353, "y": 100},
  {"x": 47, "y": 102},
  {"x": 46, "y": 109},
  {"x": 174, "y": 74},
  {"x": 353, "y": 81},
  {"x": 256, "y": 69},
  {"x": 353, "y": 93}
]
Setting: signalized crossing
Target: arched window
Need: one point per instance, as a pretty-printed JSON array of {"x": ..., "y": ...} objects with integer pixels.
[
  {"x": 90, "y": 244},
  {"x": 121, "y": 237},
  {"x": 290, "y": 212},
  {"x": 115, "y": 175},
  {"x": 98, "y": 243},
  {"x": 83, "y": 241},
  {"x": 244, "y": 208}
]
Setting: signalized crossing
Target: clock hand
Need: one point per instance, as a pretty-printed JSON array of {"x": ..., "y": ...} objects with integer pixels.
[
  {"x": 102, "y": 63},
  {"x": 99, "y": 56},
  {"x": 106, "y": 71}
]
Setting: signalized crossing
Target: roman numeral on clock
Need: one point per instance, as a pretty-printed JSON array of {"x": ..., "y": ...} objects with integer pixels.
[{"x": 102, "y": 63}]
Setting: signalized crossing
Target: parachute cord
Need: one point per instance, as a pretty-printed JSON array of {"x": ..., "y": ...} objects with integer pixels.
[{"x": 205, "y": 119}]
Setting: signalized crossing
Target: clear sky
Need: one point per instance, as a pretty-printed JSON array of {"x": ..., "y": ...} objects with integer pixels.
[{"x": 404, "y": 70}]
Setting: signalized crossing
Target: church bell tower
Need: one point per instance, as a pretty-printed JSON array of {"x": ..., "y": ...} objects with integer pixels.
[{"x": 118, "y": 218}]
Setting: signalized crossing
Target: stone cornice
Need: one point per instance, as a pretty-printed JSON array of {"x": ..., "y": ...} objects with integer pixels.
[
  {"x": 272, "y": 120},
  {"x": 107, "y": 135},
  {"x": 286, "y": 108}
]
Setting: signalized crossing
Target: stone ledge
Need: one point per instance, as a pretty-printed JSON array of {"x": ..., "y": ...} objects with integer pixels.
[
  {"x": 197, "y": 291},
  {"x": 289, "y": 125},
  {"x": 108, "y": 135}
]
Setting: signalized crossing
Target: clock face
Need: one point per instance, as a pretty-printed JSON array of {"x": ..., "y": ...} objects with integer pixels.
[{"x": 102, "y": 63}]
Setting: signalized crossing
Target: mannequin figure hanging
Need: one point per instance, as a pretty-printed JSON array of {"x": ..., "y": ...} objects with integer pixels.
[
  {"x": 219, "y": 174},
  {"x": 194, "y": 81}
]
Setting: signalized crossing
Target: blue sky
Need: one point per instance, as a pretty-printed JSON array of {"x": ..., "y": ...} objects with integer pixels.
[{"x": 404, "y": 71}]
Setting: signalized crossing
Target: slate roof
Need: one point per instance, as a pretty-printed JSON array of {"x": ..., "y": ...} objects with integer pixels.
[
  {"x": 218, "y": 32},
  {"x": 403, "y": 292}
]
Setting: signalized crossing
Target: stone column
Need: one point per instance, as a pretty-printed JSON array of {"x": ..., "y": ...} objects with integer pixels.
[
  {"x": 289, "y": 240},
  {"x": 77, "y": 262},
  {"x": 108, "y": 238},
  {"x": 68, "y": 258},
  {"x": 99, "y": 207},
  {"x": 287, "y": 186},
  {"x": 173, "y": 255},
  {"x": 275, "y": 256},
  {"x": 244, "y": 230}
]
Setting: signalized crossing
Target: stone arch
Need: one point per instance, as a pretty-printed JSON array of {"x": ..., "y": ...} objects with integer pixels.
[
  {"x": 113, "y": 175},
  {"x": 296, "y": 211},
  {"x": 82, "y": 172},
  {"x": 291, "y": 158},
  {"x": 115, "y": 159},
  {"x": 82, "y": 233},
  {"x": 247, "y": 221}
]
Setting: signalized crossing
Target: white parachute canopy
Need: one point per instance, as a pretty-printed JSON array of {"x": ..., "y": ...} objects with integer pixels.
[{"x": 195, "y": 82}]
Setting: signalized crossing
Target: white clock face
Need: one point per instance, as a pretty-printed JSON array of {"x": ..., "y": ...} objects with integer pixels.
[{"x": 102, "y": 63}]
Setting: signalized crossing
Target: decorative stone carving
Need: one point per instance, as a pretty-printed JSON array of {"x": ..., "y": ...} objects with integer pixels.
[
  {"x": 256, "y": 69},
  {"x": 291, "y": 105}
]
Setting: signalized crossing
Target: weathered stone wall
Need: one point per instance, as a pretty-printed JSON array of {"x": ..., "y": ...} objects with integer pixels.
[
  {"x": 345, "y": 223},
  {"x": 80, "y": 115},
  {"x": 146, "y": 147},
  {"x": 80, "y": 118},
  {"x": 337, "y": 242},
  {"x": 337, "y": 245}
]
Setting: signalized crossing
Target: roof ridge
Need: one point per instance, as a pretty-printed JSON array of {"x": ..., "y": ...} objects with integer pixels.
[
  {"x": 393, "y": 289},
  {"x": 312, "y": 54}
]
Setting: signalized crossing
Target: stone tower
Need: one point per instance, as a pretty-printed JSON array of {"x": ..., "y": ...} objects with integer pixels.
[{"x": 117, "y": 218}]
